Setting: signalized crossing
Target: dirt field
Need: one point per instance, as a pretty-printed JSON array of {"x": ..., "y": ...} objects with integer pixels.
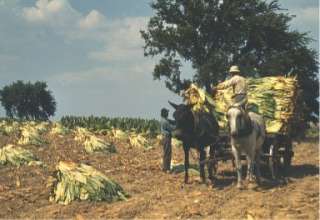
[{"x": 155, "y": 195}]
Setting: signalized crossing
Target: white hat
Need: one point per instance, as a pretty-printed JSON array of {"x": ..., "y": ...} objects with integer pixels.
[{"x": 234, "y": 69}]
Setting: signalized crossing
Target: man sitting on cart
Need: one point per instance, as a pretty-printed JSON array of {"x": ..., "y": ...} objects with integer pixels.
[{"x": 239, "y": 86}]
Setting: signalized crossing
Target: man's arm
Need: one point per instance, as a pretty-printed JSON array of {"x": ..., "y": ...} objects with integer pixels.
[
  {"x": 223, "y": 85},
  {"x": 226, "y": 84},
  {"x": 171, "y": 124},
  {"x": 167, "y": 127}
]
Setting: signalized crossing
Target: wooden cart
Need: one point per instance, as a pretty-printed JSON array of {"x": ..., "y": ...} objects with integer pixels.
[{"x": 277, "y": 152}]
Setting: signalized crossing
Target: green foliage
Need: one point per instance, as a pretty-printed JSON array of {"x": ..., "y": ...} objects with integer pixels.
[
  {"x": 213, "y": 35},
  {"x": 28, "y": 101},
  {"x": 100, "y": 123}
]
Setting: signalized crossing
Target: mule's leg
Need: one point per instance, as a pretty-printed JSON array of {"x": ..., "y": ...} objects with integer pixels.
[
  {"x": 202, "y": 162},
  {"x": 250, "y": 162},
  {"x": 212, "y": 163},
  {"x": 186, "y": 163},
  {"x": 250, "y": 158},
  {"x": 257, "y": 163},
  {"x": 237, "y": 154},
  {"x": 251, "y": 152}
]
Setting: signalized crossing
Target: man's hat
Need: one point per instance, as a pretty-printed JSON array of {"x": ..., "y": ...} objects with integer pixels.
[{"x": 234, "y": 69}]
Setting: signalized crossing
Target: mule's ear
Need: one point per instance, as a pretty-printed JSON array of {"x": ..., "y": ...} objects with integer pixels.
[{"x": 175, "y": 106}]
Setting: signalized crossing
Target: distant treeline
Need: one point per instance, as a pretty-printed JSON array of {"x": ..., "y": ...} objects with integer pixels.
[
  {"x": 10, "y": 120},
  {"x": 100, "y": 123}
]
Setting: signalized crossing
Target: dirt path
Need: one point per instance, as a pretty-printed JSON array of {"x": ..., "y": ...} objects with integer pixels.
[{"x": 157, "y": 195}]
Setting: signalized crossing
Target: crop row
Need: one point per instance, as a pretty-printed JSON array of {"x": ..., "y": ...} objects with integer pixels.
[{"x": 100, "y": 123}]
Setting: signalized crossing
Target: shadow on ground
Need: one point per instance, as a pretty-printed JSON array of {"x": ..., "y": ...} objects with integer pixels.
[
  {"x": 301, "y": 171},
  {"x": 228, "y": 177}
]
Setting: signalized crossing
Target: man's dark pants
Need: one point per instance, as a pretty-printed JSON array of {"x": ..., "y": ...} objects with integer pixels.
[{"x": 166, "y": 152}]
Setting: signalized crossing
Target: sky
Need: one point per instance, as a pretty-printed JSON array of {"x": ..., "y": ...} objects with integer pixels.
[{"x": 90, "y": 53}]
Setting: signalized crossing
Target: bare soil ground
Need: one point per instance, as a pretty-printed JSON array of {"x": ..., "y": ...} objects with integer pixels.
[{"x": 24, "y": 192}]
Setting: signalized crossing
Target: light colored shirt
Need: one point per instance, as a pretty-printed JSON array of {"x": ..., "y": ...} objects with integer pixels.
[
  {"x": 166, "y": 127},
  {"x": 238, "y": 83}
]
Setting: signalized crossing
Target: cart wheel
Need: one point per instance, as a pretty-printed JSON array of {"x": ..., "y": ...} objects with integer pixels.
[{"x": 274, "y": 161}]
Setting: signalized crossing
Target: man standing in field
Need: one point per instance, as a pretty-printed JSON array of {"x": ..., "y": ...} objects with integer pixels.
[
  {"x": 166, "y": 129},
  {"x": 239, "y": 86}
]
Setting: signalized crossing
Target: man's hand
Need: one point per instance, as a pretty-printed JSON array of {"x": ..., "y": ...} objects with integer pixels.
[{"x": 172, "y": 122}]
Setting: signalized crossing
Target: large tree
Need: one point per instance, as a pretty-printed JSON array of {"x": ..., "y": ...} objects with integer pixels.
[
  {"x": 214, "y": 34},
  {"x": 28, "y": 101}
]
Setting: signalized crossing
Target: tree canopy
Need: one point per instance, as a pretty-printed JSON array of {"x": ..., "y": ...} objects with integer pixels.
[
  {"x": 28, "y": 101},
  {"x": 214, "y": 34}
]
